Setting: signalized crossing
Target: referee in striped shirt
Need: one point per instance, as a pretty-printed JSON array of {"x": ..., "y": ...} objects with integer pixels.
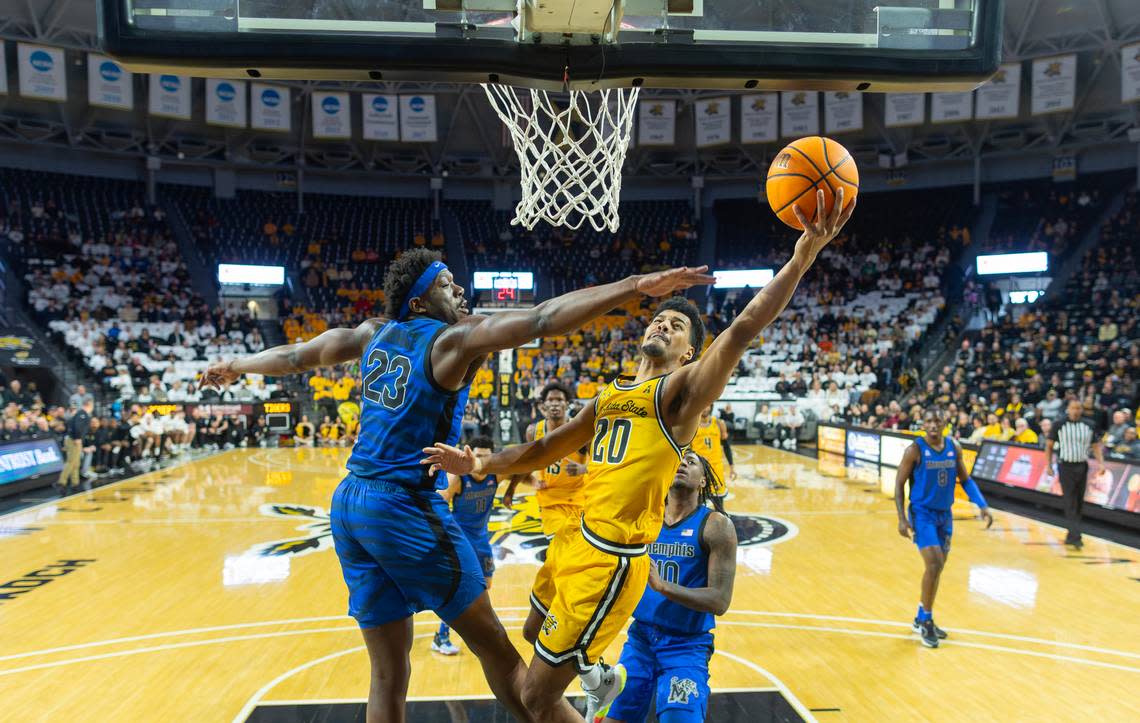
[{"x": 1071, "y": 440}]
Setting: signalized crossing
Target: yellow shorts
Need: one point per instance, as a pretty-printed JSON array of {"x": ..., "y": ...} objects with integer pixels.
[
  {"x": 593, "y": 591},
  {"x": 555, "y": 517}
]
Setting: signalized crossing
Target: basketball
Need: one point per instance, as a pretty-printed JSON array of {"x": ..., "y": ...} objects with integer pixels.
[{"x": 802, "y": 167}]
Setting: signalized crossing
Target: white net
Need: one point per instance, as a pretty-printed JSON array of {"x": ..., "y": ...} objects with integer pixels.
[{"x": 571, "y": 148}]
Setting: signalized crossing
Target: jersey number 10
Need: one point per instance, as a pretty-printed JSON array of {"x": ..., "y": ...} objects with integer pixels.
[
  {"x": 390, "y": 395},
  {"x": 611, "y": 440}
]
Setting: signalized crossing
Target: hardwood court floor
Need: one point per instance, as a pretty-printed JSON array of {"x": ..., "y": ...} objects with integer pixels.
[{"x": 154, "y": 600}]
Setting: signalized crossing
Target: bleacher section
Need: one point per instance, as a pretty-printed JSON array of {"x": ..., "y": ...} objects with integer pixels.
[{"x": 653, "y": 234}]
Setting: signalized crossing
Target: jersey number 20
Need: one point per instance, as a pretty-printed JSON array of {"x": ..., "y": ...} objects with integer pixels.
[
  {"x": 390, "y": 395},
  {"x": 611, "y": 440}
]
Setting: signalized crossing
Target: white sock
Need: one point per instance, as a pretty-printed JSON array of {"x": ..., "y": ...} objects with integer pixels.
[{"x": 592, "y": 678}]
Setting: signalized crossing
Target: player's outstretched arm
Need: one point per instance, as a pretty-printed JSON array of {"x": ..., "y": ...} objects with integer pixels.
[
  {"x": 703, "y": 382},
  {"x": 477, "y": 336},
  {"x": 518, "y": 458},
  {"x": 335, "y": 346},
  {"x": 971, "y": 487},
  {"x": 906, "y": 469},
  {"x": 720, "y": 537}
]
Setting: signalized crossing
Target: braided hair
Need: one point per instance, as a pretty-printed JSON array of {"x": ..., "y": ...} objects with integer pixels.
[{"x": 709, "y": 479}]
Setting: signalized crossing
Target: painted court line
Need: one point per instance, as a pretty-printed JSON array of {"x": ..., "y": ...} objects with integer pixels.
[
  {"x": 784, "y": 690},
  {"x": 968, "y": 631},
  {"x": 195, "y": 643},
  {"x": 956, "y": 643}
]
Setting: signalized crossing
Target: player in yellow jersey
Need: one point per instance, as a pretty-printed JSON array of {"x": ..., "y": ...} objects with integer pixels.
[
  {"x": 712, "y": 443},
  {"x": 636, "y": 431},
  {"x": 559, "y": 492}
]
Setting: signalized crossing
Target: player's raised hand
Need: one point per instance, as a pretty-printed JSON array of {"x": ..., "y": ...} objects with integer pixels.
[
  {"x": 451, "y": 459},
  {"x": 662, "y": 283},
  {"x": 826, "y": 227},
  {"x": 219, "y": 375}
]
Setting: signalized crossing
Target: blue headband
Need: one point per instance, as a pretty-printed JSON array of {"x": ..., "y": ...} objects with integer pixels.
[{"x": 427, "y": 278}]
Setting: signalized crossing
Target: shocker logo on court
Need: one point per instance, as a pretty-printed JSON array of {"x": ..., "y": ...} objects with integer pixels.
[
  {"x": 756, "y": 530},
  {"x": 315, "y": 523},
  {"x": 681, "y": 689}
]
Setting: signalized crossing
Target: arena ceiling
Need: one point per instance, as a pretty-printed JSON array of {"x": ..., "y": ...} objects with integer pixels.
[{"x": 473, "y": 144}]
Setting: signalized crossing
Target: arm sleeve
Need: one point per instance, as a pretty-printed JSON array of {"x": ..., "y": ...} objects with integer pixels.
[
  {"x": 973, "y": 492},
  {"x": 727, "y": 444}
]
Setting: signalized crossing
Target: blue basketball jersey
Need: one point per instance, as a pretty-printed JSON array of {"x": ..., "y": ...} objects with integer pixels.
[
  {"x": 932, "y": 485},
  {"x": 680, "y": 557},
  {"x": 403, "y": 409},
  {"x": 471, "y": 508}
]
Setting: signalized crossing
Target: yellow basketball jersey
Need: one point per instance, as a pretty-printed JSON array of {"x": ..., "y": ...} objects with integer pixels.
[
  {"x": 632, "y": 461},
  {"x": 560, "y": 488},
  {"x": 708, "y": 444}
]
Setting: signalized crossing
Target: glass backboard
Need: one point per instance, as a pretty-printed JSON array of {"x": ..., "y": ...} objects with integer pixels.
[{"x": 873, "y": 45}]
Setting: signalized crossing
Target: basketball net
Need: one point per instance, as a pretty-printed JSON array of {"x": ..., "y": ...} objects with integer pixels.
[{"x": 571, "y": 148}]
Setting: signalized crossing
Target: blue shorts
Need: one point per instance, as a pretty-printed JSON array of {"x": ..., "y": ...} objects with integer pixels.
[
  {"x": 481, "y": 543},
  {"x": 401, "y": 552},
  {"x": 932, "y": 528},
  {"x": 667, "y": 666}
]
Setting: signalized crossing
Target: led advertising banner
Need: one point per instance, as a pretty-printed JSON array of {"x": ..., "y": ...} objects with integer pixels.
[
  {"x": 891, "y": 449},
  {"x": 863, "y": 445},
  {"x": 31, "y": 458},
  {"x": 832, "y": 439}
]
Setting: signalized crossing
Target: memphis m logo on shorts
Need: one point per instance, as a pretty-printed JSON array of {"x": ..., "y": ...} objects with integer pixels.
[
  {"x": 549, "y": 625},
  {"x": 680, "y": 689}
]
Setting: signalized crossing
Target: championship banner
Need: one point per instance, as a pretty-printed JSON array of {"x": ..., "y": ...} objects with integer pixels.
[
  {"x": 269, "y": 107},
  {"x": 225, "y": 103},
  {"x": 3, "y": 68},
  {"x": 18, "y": 348},
  {"x": 843, "y": 111},
  {"x": 951, "y": 107},
  {"x": 170, "y": 96},
  {"x": 1054, "y": 84},
  {"x": 417, "y": 119},
  {"x": 759, "y": 118},
  {"x": 1130, "y": 73},
  {"x": 712, "y": 121},
  {"x": 1000, "y": 97},
  {"x": 904, "y": 109},
  {"x": 43, "y": 73},
  {"x": 380, "y": 118},
  {"x": 332, "y": 116},
  {"x": 656, "y": 122},
  {"x": 799, "y": 113},
  {"x": 108, "y": 85}
]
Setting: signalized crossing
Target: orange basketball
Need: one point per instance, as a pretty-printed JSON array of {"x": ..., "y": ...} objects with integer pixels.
[{"x": 806, "y": 165}]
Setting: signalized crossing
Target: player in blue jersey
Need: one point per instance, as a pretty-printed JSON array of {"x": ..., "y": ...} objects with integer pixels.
[
  {"x": 932, "y": 464},
  {"x": 399, "y": 546},
  {"x": 666, "y": 655},
  {"x": 472, "y": 497}
]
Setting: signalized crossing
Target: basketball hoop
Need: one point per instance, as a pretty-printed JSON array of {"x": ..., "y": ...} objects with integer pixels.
[{"x": 571, "y": 148}]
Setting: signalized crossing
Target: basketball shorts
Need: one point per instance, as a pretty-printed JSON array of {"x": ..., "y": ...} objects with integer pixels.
[
  {"x": 555, "y": 517},
  {"x": 401, "y": 552},
  {"x": 932, "y": 528},
  {"x": 481, "y": 543},
  {"x": 669, "y": 667},
  {"x": 595, "y": 592}
]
